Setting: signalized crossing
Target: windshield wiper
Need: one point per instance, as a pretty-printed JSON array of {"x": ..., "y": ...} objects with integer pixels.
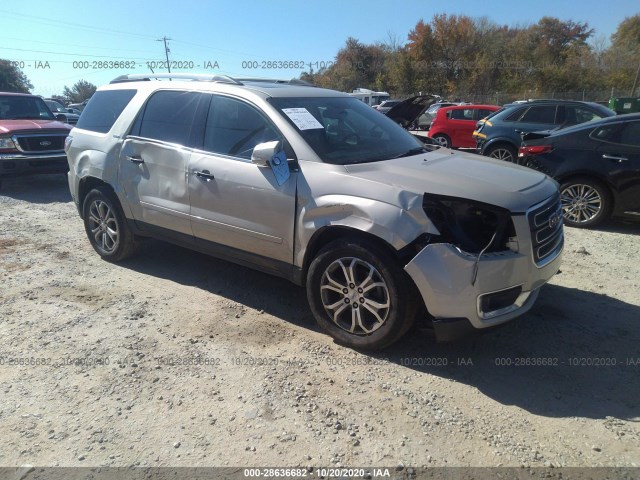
[{"x": 413, "y": 151}]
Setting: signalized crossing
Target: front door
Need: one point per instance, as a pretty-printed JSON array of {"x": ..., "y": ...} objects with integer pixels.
[{"x": 234, "y": 202}]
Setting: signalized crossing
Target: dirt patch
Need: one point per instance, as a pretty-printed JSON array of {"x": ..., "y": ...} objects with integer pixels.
[{"x": 174, "y": 358}]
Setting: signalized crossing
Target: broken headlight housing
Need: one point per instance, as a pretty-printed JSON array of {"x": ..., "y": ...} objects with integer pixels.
[{"x": 470, "y": 225}]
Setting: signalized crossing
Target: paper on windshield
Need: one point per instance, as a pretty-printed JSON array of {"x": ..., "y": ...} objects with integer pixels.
[{"x": 302, "y": 118}]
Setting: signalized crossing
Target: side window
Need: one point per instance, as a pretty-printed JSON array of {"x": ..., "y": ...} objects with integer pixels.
[
  {"x": 235, "y": 127},
  {"x": 630, "y": 134},
  {"x": 461, "y": 114},
  {"x": 482, "y": 113},
  {"x": 577, "y": 115},
  {"x": 169, "y": 116},
  {"x": 515, "y": 115},
  {"x": 607, "y": 133},
  {"x": 541, "y": 114},
  {"x": 621, "y": 133},
  {"x": 103, "y": 110}
]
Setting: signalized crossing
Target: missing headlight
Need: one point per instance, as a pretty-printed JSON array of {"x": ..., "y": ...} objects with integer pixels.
[{"x": 470, "y": 225}]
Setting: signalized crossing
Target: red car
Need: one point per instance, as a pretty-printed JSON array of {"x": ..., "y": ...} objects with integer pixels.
[{"x": 453, "y": 126}]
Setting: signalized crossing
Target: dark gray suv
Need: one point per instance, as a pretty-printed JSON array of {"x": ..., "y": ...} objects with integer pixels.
[{"x": 500, "y": 135}]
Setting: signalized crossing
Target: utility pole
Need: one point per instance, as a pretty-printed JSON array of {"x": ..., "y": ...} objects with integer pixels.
[{"x": 166, "y": 51}]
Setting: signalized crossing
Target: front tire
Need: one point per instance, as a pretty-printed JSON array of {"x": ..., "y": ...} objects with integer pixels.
[
  {"x": 586, "y": 203},
  {"x": 106, "y": 227},
  {"x": 360, "y": 295}
]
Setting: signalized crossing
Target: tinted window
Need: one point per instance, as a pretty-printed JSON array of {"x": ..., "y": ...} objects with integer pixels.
[
  {"x": 169, "y": 116},
  {"x": 626, "y": 134},
  {"x": 234, "y": 128},
  {"x": 103, "y": 110},
  {"x": 541, "y": 114},
  {"x": 515, "y": 115},
  {"x": 462, "y": 114},
  {"x": 482, "y": 113},
  {"x": 630, "y": 134}
]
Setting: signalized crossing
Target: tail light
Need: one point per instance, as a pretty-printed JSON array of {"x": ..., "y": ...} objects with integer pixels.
[{"x": 534, "y": 150}]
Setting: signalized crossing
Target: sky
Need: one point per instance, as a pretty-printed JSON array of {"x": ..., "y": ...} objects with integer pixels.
[{"x": 57, "y": 44}]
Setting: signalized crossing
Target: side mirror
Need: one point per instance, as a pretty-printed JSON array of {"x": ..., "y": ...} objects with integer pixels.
[
  {"x": 263, "y": 152},
  {"x": 70, "y": 110},
  {"x": 61, "y": 117}
]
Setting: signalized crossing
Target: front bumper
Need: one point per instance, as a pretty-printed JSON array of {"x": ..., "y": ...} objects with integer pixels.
[
  {"x": 21, "y": 164},
  {"x": 506, "y": 286}
]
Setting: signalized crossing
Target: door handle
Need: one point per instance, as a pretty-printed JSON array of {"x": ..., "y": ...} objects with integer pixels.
[
  {"x": 135, "y": 159},
  {"x": 205, "y": 175},
  {"x": 613, "y": 157}
]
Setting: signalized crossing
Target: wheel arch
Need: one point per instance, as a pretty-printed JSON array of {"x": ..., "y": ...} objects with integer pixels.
[
  {"x": 330, "y": 233},
  {"x": 499, "y": 141}
]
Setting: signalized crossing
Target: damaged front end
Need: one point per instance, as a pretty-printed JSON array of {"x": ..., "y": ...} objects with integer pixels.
[{"x": 478, "y": 271}]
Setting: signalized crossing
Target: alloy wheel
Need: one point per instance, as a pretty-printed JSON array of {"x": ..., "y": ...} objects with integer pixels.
[
  {"x": 103, "y": 226},
  {"x": 355, "y": 296},
  {"x": 580, "y": 203}
]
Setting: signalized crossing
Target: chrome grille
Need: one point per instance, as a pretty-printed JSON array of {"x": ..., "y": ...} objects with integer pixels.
[
  {"x": 40, "y": 142},
  {"x": 547, "y": 236}
]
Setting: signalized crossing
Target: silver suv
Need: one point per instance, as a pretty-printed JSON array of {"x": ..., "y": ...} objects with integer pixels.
[{"x": 315, "y": 186}]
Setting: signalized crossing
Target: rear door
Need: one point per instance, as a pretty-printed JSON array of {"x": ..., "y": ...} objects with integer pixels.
[
  {"x": 461, "y": 126},
  {"x": 619, "y": 154},
  {"x": 153, "y": 161},
  {"x": 537, "y": 117},
  {"x": 235, "y": 203}
]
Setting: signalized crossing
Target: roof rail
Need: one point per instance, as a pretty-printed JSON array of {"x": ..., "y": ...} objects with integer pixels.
[
  {"x": 180, "y": 76},
  {"x": 293, "y": 81}
]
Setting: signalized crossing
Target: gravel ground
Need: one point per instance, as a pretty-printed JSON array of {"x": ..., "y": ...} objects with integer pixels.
[{"x": 174, "y": 358}]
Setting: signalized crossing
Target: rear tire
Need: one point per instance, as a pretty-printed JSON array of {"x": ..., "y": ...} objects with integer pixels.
[
  {"x": 503, "y": 152},
  {"x": 360, "y": 295},
  {"x": 586, "y": 203},
  {"x": 106, "y": 226}
]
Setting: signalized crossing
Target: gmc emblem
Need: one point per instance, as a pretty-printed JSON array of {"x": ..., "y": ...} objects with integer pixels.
[
  {"x": 555, "y": 219},
  {"x": 45, "y": 143}
]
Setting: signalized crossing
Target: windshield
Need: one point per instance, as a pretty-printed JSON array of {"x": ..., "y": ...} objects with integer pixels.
[
  {"x": 344, "y": 131},
  {"x": 17, "y": 107}
]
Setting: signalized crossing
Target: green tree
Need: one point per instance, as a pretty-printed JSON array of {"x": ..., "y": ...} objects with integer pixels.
[
  {"x": 79, "y": 92},
  {"x": 13, "y": 79},
  {"x": 623, "y": 57}
]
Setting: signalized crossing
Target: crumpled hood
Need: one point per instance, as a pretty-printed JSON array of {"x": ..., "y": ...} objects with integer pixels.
[
  {"x": 463, "y": 175},
  {"x": 15, "y": 126}
]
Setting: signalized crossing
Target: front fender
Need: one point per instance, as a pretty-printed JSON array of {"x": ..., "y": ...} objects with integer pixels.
[{"x": 397, "y": 226}]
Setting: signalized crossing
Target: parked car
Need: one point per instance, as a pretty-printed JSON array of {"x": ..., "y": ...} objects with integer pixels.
[
  {"x": 79, "y": 106},
  {"x": 31, "y": 137},
  {"x": 454, "y": 126},
  {"x": 57, "y": 108},
  {"x": 409, "y": 110},
  {"x": 499, "y": 135},
  {"x": 385, "y": 106},
  {"x": 597, "y": 165},
  {"x": 315, "y": 186},
  {"x": 424, "y": 121}
]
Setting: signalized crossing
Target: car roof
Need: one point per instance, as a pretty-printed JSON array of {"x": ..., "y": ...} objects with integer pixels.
[
  {"x": 467, "y": 107},
  {"x": 627, "y": 117},
  {"x": 14, "y": 94},
  {"x": 265, "y": 87}
]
